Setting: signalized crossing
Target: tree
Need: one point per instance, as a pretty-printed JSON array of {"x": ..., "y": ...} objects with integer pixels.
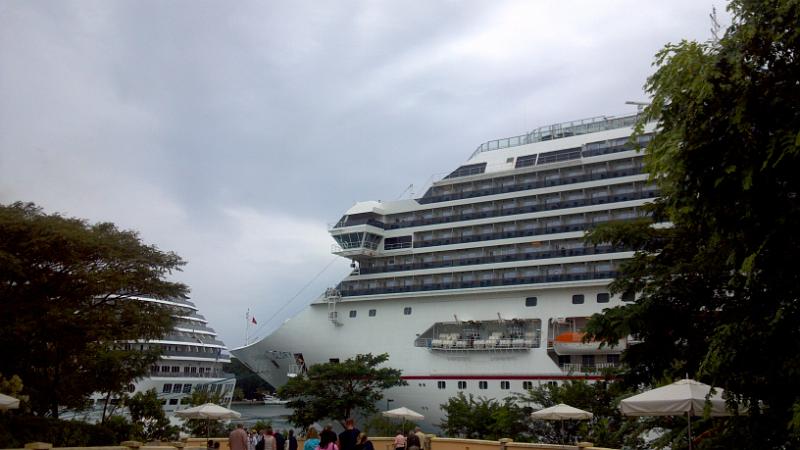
[
  {"x": 336, "y": 390},
  {"x": 483, "y": 418},
  {"x": 148, "y": 417},
  {"x": 718, "y": 289},
  {"x": 65, "y": 304},
  {"x": 606, "y": 429}
]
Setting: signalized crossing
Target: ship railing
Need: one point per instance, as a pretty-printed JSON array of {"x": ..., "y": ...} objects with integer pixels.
[
  {"x": 481, "y": 345},
  {"x": 588, "y": 368},
  {"x": 559, "y": 130},
  {"x": 216, "y": 374}
]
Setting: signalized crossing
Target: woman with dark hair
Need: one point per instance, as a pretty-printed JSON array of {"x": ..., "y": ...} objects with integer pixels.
[
  {"x": 363, "y": 442},
  {"x": 327, "y": 441}
]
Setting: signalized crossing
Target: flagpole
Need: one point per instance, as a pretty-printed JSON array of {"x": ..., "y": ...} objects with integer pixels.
[{"x": 247, "y": 326}]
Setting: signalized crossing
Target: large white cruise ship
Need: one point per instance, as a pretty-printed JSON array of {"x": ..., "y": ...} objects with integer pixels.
[
  {"x": 484, "y": 284},
  {"x": 191, "y": 359}
]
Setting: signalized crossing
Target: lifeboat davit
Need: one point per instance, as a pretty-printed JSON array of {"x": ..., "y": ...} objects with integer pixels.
[{"x": 571, "y": 343}]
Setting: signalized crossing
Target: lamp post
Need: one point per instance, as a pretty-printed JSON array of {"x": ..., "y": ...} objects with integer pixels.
[{"x": 388, "y": 400}]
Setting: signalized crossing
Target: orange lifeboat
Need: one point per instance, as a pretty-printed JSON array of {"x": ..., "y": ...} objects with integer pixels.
[{"x": 571, "y": 343}]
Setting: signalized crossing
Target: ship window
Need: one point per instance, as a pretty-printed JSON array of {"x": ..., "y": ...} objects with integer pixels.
[
  {"x": 527, "y": 385},
  {"x": 176, "y": 369},
  {"x": 564, "y": 359},
  {"x": 167, "y": 388},
  {"x": 462, "y": 384},
  {"x": 164, "y": 402},
  {"x": 509, "y": 160},
  {"x": 613, "y": 358},
  {"x": 577, "y": 299},
  {"x": 628, "y": 296},
  {"x": 177, "y": 387},
  {"x": 603, "y": 297},
  {"x": 373, "y": 312},
  {"x": 114, "y": 401},
  {"x": 173, "y": 401},
  {"x": 525, "y": 161},
  {"x": 441, "y": 384},
  {"x": 334, "y": 360},
  {"x": 505, "y": 385},
  {"x": 187, "y": 388},
  {"x": 483, "y": 384},
  {"x": 587, "y": 360},
  {"x": 131, "y": 388},
  {"x": 531, "y": 301},
  {"x": 407, "y": 311},
  {"x": 353, "y": 313}
]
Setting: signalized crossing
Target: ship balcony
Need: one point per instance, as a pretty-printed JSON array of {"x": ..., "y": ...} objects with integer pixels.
[
  {"x": 450, "y": 344},
  {"x": 482, "y": 335},
  {"x": 588, "y": 368},
  {"x": 353, "y": 251}
]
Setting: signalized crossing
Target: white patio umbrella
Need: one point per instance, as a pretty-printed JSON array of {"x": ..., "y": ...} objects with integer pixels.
[
  {"x": 562, "y": 412},
  {"x": 403, "y": 413},
  {"x": 208, "y": 411},
  {"x": 8, "y": 402},
  {"x": 687, "y": 396}
]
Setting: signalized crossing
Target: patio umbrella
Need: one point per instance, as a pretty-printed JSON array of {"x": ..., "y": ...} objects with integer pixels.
[
  {"x": 687, "y": 396},
  {"x": 403, "y": 413},
  {"x": 208, "y": 411},
  {"x": 562, "y": 412},
  {"x": 8, "y": 402}
]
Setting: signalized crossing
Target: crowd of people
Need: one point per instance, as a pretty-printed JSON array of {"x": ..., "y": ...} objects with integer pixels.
[{"x": 349, "y": 439}]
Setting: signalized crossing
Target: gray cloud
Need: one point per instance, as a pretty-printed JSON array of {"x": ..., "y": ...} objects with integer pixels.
[{"x": 233, "y": 132}]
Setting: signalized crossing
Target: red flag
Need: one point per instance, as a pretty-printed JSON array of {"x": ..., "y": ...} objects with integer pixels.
[{"x": 254, "y": 321}]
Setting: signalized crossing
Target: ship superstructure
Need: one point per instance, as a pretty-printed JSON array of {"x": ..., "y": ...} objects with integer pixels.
[
  {"x": 484, "y": 284},
  {"x": 191, "y": 359}
]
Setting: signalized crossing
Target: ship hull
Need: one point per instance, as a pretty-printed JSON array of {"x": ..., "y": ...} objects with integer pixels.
[{"x": 432, "y": 375}]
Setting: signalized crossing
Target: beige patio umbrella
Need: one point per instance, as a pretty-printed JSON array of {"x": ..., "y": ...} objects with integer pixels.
[
  {"x": 8, "y": 402},
  {"x": 687, "y": 396},
  {"x": 403, "y": 413},
  {"x": 208, "y": 411},
  {"x": 562, "y": 412}
]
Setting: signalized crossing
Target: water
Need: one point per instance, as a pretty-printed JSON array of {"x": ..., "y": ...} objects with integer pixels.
[{"x": 254, "y": 412}]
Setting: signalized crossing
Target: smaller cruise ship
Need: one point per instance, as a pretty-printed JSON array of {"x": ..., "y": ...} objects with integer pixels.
[{"x": 191, "y": 359}]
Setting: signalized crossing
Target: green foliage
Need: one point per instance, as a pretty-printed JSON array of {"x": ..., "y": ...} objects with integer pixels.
[
  {"x": 379, "y": 425},
  {"x": 336, "y": 390},
  {"x": 606, "y": 429},
  {"x": 65, "y": 288},
  {"x": 482, "y": 418},
  {"x": 149, "y": 421},
  {"x": 203, "y": 427},
  {"x": 718, "y": 290},
  {"x": 16, "y": 431}
]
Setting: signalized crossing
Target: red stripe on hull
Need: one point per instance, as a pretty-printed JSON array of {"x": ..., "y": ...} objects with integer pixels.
[{"x": 503, "y": 377}]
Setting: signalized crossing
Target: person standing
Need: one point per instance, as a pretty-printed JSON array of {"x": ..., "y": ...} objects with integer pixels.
[
  {"x": 399, "y": 441},
  {"x": 267, "y": 441},
  {"x": 421, "y": 436},
  {"x": 412, "y": 441},
  {"x": 364, "y": 443},
  {"x": 327, "y": 440},
  {"x": 280, "y": 441},
  {"x": 238, "y": 438},
  {"x": 312, "y": 439},
  {"x": 349, "y": 437},
  {"x": 291, "y": 441}
]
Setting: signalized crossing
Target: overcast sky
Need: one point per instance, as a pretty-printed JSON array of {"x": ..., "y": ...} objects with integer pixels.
[{"x": 234, "y": 132}]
